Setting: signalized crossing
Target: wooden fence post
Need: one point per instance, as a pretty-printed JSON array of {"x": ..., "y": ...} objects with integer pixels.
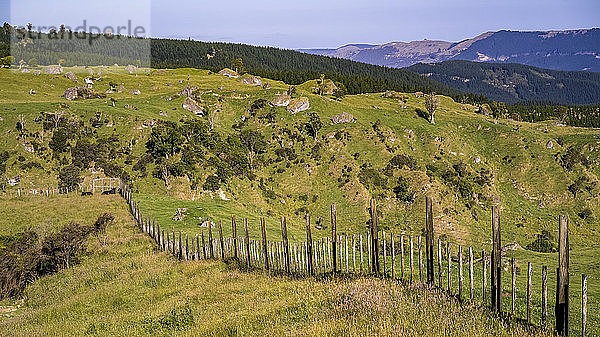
[
  {"x": 429, "y": 238},
  {"x": 412, "y": 270},
  {"x": 529, "y": 292},
  {"x": 180, "y": 247},
  {"x": 583, "y": 305},
  {"x": 263, "y": 229},
  {"x": 374, "y": 238},
  {"x": 544, "y": 296},
  {"x": 246, "y": 242},
  {"x": 440, "y": 262},
  {"x": 309, "y": 246},
  {"x": 221, "y": 243},
  {"x": 203, "y": 246},
  {"x": 334, "y": 237},
  {"x": 384, "y": 254},
  {"x": 234, "y": 236},
  {"x": 562, "y": 282},
  {"x": 449, "y": 251},
  {"x": 210, "y": 241},
  {"x": 402, "y": 256},
  {"x": 460, "y": 272},
  {"x": 361, "y": 252},
  {"x": 484, "y": 285},
  {"x": 496, "y": 261},
  {"x": 393, "y": 257},
  {"x": 471, "y": 286},
  {"x": 286, "y": 245},
  {"x": 346, "y": 250},
  {"x": 420, "y": 259},
  {"x": 514, "y": 285}
]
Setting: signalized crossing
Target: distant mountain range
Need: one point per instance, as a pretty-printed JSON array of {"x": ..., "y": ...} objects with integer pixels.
[{"x": 558, "y": 50}]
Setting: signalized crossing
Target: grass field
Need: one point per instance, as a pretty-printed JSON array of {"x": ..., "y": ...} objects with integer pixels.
[{"x": 127, "y": 288}]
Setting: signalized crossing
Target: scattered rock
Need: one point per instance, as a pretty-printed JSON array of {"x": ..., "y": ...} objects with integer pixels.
[
  {"x": 549, "y": 145},
  {"x": 392, "y": 94},
  {"x": 281, "y": 100},
  {"x": 511, "y": 246},
  {"x": 267, "y": 86},
  {"x": 120, "y": 89},
  {"x": 192, "y": 106},
  {"x": 29, "y": 148},
  {"x": 70, "y": 75},
  {"x": 37, "y": 72},
  {"x": 25, "y": 71},
  {"x": 344, "y": 117},
  {"x": 252, "y": 80},
  {"x": 109, "y": 91},
  {"x": 298, "y": 105},
  {"x": 229, "y": 73},
  {"x": 128, "y": 106},
  {"x": 53, "y": 70},
  {"x": 130, "y": 69},
  {"x": 14, "y": 181},
  {"x": 419, "y": 94},
  {"x": 179, "y": 214},
  {"x": 327, "y": 88},
  {"x": 187, "y": 90},
  {"x": 135, "y": 91},
  {"x": 477, "y": 160},
  {"x": 81, "y": 93},
  {"x": 89, "y": 80}
]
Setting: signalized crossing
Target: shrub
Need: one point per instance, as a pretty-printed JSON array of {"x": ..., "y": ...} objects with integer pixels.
[
  {"x": 402, "y": 160},
  {"x": 212, "y": 183},
  {"x": 543, "y": 243},
  {"x": 585, "y": 214},
  {"x": 69, "y": 178}
]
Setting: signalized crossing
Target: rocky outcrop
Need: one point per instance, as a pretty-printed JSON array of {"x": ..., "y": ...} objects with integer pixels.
[
  {"x": 192, "y": 106},
  {"x": 81, "y": 93},
  {"x": 229, "y": 73},
  {"x": 392, "y": 94},
  {"x": 187, "y": 91},
  {"x": 298, "y": 105},
  {"x": 252, "y": 80},
  {"x": 53, "y": 70},
  {"x": 267, "y": 86},
  {"x": 281, "y": 100},
  {"x": 70, "y": 75},
  {"x": 344, "y": 117},
  {"x": 131, "y": 69},
  {"x": 135, "y": 92}
]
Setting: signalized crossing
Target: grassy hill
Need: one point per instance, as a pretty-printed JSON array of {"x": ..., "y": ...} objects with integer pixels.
[
  {"x": 127, "y": 288},
  {"x": 465, "y": 160}
]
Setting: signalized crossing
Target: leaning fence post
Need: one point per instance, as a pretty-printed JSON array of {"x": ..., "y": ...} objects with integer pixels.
[
  {"x": 562, "y": 282},
  {"x": 420, "y": 259},
  {"x": 334, "y": 237},
  {"x": 286, "y": 245},
  {"x": 309, "y": 246},
  {"x": 374, "y": 238},
  {"x": 471, "y": 289},
  {"x": 514, "y": 285},
  {"x": 484, "y": 287},
  {"x": 429, "y": 238},
  {"x": 544, "y": 295},
  {"x": 496, "y": 261},
  {"x": 234, "y": 236},
  {"x": 529, "y": 271},
  {"x": 221, "y": 241},
  {"x": 583, "y": 305},
  {"x": 210, "y": 241},
  {"x": 264, "y": 243}
]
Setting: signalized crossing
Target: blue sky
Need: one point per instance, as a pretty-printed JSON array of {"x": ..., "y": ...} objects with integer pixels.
[{"x": 315, "y": 23}]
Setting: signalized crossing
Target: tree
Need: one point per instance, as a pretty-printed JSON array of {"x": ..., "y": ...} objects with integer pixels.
[
  {"x": 431, "y": 104},
  {"x": 59, "y": 141},
  {"x": 254, "y": 142},
  {"x": 238, "y": 66},
  {"x": 313, "y": 125},
  {"x": 33, "y": 62},
  {"x": 165, "y": 140},
  {"x": 61, "y": 61},
  {"x": 340, "y": 90},
  {"x": 321, "y": 85},
  {"x": 69, "y": 178}
]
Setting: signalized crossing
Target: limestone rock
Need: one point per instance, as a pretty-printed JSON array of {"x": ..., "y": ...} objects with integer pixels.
[
  {"x": 267, "y": 86},
  {"x": 392, "y": 94},
  {"x": 549, "y": 145},
  {"x": 298, "y": 105},
  {"x": 135, "y": 91},
  {"x": 252, "y": 80},
  {"x": 229, "y": 73},
  {"x": 344, "y": 117},
  {"x": 187, "y": 90},
  {"x": 192, "y": 106},
  {"x": 281, "y": 100},
  {"x": 81, "y": 93},
  {"x": 53, "y": 70},
  {"x": 70, "y": 75},
  {"x": 131, "y": 69}
]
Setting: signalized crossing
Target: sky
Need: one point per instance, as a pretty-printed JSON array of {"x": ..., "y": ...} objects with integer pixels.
[{"x": 312, "y": 23}]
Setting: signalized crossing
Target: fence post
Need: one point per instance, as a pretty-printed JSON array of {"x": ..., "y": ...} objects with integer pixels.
[
  {"x": 449, "y": 251},
  {"x": 309, "y": 245},
  {"x": 514, "y": 285},
  {"x": 583, "y": 305},
  {"x": 440, "y": 261},
  {"x": 187, "y": 248},
  {"x": 420, "y": 259},
  {"x": 460, "y": 272},
  {"x": 544, "y": 295},
  {"x": 412, "y": 269},
  {"x": 286, "y": 246},
  {"x": 529, "y": 271},
  {"x": 562, "y": 282},
  {"x": 203, "y": 246},
  {"x": 264, "y": 242},
  {"x": 402, "y": 256},
  {"x": 471, "y": 289},
  {"x": 210, "y": 241},
  {"x": 384, "y": 254},
  {"x": 334, "y": 237},
  {"x": 234, "y": 235},
  {"x": 246, "y": 242},
  {"x": 484, "y": 286},
  {"x": 222, "y": 244},
  {"x": 393, "y": 257},
  {"x": 429, "y": 238},
  {"x": 496, "y": 261},
  {"x": 374, "y": 238}
]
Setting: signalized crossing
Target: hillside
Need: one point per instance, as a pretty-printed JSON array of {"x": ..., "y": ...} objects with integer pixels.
[
  {"x": 574, "y": 50},
  {"x": 514, "y": 83},
  {"x": 241, "y": 155}
]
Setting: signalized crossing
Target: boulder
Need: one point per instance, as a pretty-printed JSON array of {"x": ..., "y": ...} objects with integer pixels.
[
  {"x": 120, "y": 89},
  {"x": 53, "y": 70},
  {"x": 131, "y": 69},
  {"x": 70, "y": 75},
  {"x": 89, "y": 80},
  {"x": 344, "y": 117},
  {"x": 281, "y": 100},
  {"x": 192, "y": 106},
  {"x": 252, "y": 80},
  {"x": 81, "y": 93},
  {"x": 25, "y": 70},
  {"x": 37, "y": 72},
  {"x": 267, "y": 86},
  {"x": 135, "y": 91},
  {"x": 229, "y": 73},
  {"x": 419, "y": 94},
  {"x": 392, "y": 94},
  {"x": 549, "y": 145},
  {"x": 187, "y": 90},
  {"x": 298, "y": 105}
]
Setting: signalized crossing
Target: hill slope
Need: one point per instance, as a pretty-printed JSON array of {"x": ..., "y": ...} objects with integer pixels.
[
  {"x": 574, "y": 50},
  {"x": 513, "y": 83}
]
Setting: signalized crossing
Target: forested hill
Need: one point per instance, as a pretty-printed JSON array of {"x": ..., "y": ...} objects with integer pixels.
[{"x": 514, "y": 83}]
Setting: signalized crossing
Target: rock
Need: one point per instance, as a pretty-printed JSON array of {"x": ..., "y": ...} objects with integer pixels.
[
  {"x": 120, "y": 89},
  {"x": 179, "y": 214},
  {"x": 187, "y": 90},
  {"x": 281, "y": 100},
  {"x": 53, "y": 70},
  {"x": 229, "y": 73},
  {"x": 549, "y": 145},
  {"x": 252, "y": 80},
  {"x": 192, "y": 106},
  {"x": 344, "y": 117},
  {"x": 419, "y": 94},
  {"x": 392, "y": 94},
  {"x": 14, "y": 181},
  {"x": 29, "y": 148},
  {"x": 298, "y": 105},
  {"x": 100, "y": 73},
  {"x": 37, "y": 72},
  {"x": 89, "y": 80},
  {"x": 81, "y": 93},
  {"x": 109, "y": 91},
  {"x": 135, "y": 91},
  {"x": 130, "y": 69},
  {"x": 267, "y": 86},
  {"x": 477, "y": 160},
  {"x": 70, "y": 75},
  {"x": 511, "y": 246}
]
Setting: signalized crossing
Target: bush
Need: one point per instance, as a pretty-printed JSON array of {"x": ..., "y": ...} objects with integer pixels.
[
  {"x": 585, "y": 214},
  {"x": 69, "y": 178},
  {"x": 212, "y": 183},
  {"x": 402, "y": 160},
  {"x": 543, "y": 243}
]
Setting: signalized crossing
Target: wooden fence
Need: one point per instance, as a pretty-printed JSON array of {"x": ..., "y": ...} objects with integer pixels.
[
  {"x": 391, "y": 256},
  {"x": 99, "y": 185}
]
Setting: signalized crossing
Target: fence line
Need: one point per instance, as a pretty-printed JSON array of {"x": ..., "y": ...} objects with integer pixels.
[{"x": 345, "y": 253}]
